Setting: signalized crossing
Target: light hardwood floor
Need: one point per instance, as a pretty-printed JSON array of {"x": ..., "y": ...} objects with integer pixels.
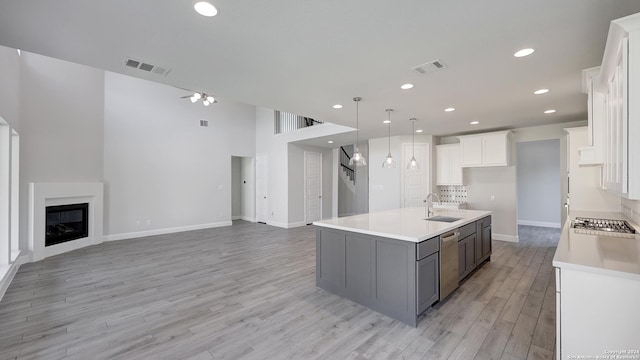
[{"x": 248, "y": 291}]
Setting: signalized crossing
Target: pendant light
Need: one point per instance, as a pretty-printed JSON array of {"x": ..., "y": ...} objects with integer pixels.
[
  {"x": 388, "y": 163},
  {"x": 413, "y": 163},
  {"x": 357, "y": 157}
]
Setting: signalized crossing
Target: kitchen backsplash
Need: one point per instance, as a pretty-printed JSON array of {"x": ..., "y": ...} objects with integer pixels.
[
  {"x": 631, "y": 209},
  {"x": 453, "y": 193}
]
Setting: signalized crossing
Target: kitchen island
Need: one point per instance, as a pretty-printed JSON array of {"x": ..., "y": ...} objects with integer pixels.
[{"x": 395, "y": 261}]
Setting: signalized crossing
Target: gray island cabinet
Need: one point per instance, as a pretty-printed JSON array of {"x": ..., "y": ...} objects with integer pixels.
[{"x": 399, "y": 278}]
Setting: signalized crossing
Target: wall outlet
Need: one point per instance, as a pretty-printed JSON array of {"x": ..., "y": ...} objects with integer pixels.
[
  {"x": 273, "y": 213},
  {"x": 219, "y": 187},
  {"x": 148, "y": 222},
  {"x": 493, "y": 197},
  {"x": 137, "y": 222}
]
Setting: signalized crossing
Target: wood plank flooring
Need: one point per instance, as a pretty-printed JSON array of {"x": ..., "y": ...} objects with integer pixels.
[{"x": 248, "y": 291}]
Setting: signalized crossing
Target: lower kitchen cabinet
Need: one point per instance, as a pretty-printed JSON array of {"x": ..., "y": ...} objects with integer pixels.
[
  {"x": 474, "y": 248},
  {"x": 483, "y": 239},
  {"x": 428, "y": 276},
  {"x": 466, "y": 256}
]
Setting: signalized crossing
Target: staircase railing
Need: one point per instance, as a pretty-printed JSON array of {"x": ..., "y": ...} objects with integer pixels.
[
  {"x": 285, "y": 122},
  {"x": 344, "y": 163}
]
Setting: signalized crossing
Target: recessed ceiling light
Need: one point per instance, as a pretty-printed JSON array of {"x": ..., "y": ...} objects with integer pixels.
[
  {"x": 337, "y": 106},
  {"x": 330, "y": 141},
  {"x": 406, "y": 86},
  {"x": 450, "y": 109},
  {"x": 419, "y": 130},
  {"x": 474, "y": 122},
  {"x": 523, "y": 52},
  {"x": 387, "y": 122},
  {"x": 550, "y": 111},
  {"x": 541, "y": 91},
  {"x": 205, "y": 8}
]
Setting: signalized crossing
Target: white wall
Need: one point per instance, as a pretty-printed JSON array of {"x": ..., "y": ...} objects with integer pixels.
[
  {"x": 285, "y": 194},
  {"x": 501, "y": 181},
  {"x": 385, "y": 184},
  {"x": 10, "y": 70},
  {"x": 296, "y": 181},
  {"x": 538, "y": 183},
  {"x": 61, "y": 124},
  {"x": 278, "y": 181},
  {"x": 161, "y": 168}
]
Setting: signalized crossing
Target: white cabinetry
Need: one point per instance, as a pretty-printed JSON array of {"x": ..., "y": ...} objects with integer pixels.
[
  {"x": 489, "y": 149},
  {"x": 584, "y": 191},
  {"x": 619, "y": 81},
  {"x": 593, "y": 154},
  {"x": 448, "y": 169}
]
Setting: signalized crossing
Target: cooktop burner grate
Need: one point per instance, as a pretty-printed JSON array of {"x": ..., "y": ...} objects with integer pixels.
[{"x": 608, "y": 225}]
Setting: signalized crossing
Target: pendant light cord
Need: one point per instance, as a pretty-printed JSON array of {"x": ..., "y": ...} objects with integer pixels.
[
  {"x": 357, "y": 122},
  {"x": 413, "y": 137}
]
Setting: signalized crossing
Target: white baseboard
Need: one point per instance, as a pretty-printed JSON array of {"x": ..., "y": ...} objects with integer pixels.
[
  {"x": 539, "y": 223},
  {"x": 172, "y": 230},
  {"x": 286, "y": 225},
  {"x": 246, "y": 218},
  {"x": 236, "y": 217},
  {"x": 503, "y": 237},
  {"x": 8, "y": 276},
  {"x": 296, "y": 224}
]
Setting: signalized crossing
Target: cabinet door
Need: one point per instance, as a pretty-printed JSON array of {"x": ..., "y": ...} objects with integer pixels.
[
  {"x": 494, "y": 149},
  {"x": 462, "y": 259},
  {"x": 479, "y": 238},
  {"x": 471, "y": 151},
  {"x": 471, "y": 252},
  {"x": 442, "y": 165},
  {"x": 486, "y": 241},
  {"x": 455, "y": 168},
  {"x": 428, "y": 281}
]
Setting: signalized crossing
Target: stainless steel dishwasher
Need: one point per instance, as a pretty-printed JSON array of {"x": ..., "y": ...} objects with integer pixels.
[{"x": 448, "y": 263}]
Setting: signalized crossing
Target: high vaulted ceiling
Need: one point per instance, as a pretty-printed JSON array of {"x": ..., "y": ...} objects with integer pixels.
[{"x": 304, "y": 56}]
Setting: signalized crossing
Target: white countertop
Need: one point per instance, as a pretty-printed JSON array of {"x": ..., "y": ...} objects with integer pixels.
[
  {"x": 403, "y": 224},
  {"x": 599, "y": 252}
]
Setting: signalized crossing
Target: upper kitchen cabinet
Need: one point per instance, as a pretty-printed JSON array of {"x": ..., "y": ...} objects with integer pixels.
[
  {"x": 448, "y": 169},
  {"x": 619, "y": 81},
  {"x": 488, "y": 149},
  {"x": 593, "y": 154}
]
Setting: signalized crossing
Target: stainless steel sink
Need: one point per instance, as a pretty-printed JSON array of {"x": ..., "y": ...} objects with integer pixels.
[{"x": 448, "y": 219}]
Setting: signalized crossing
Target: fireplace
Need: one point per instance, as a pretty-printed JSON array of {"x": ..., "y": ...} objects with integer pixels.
[{"x": 66, "y": 222}]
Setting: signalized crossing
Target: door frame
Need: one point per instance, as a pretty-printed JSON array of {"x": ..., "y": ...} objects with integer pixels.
[
  {"x": 305, "y": 184},
  {"x": 265, "y": 181},
  {"x": 425, "y": 169}
]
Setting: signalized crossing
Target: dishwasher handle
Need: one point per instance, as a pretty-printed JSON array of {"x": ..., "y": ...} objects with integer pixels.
[{"x": 452, "y": 237}]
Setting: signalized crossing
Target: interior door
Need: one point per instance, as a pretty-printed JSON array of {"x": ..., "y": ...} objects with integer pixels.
[
  {"x": 312, "y": 187},
  {"x": 414, "y": 184},
  {"x": 262, "y": 187}
]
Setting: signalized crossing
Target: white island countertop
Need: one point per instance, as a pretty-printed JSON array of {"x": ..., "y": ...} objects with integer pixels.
[
  {"x": 403, "y": 224},
  {"x": 599, "y": 252}
]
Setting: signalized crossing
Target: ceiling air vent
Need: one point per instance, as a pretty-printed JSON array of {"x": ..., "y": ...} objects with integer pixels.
[
  {"x": 204, "y": 123},
  {"x": 155, "y": 69},
  {"x": 430, "y": 67}
]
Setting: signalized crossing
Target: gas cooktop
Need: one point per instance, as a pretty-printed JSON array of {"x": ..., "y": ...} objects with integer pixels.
[{"x": 609, "y": 225}]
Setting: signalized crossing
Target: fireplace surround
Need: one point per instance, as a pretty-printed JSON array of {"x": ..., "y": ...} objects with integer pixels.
[{"x": 66, "y": 202}]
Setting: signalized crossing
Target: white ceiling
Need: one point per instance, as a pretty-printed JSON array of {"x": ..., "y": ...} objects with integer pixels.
[{"x": 304, "y": 56}]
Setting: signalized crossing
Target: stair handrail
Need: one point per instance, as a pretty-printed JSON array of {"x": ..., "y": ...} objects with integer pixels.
[{"x": 344, "y": 163}]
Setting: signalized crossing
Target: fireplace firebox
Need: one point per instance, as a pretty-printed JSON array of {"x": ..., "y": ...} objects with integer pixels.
[{"x": 66, "y": 222}]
